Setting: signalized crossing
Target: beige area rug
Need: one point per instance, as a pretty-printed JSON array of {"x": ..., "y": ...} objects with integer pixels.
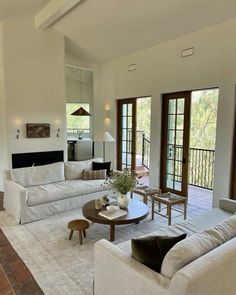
[{"x": 61, "y": 266}]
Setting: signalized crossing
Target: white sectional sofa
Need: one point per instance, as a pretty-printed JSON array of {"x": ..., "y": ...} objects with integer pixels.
[
  {"x": 212, "y": 273},
  {"x": 34, "y": 193}
]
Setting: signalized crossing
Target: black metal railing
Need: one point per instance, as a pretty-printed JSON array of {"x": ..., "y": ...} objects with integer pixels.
[
  {"x": 146, "y": 152},
  {"x": 201, "y": 167},
  {"x": 142, "y": 149},
  {"x": 76, "y": 132}
]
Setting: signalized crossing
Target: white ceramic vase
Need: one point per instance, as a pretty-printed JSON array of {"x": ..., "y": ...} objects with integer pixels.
[{"x": 123, "y": 201}]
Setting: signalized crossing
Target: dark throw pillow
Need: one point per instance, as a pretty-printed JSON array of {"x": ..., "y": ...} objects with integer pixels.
[
  {"x": 101, "y": 166},
  {"x": 151, "y": 250}
]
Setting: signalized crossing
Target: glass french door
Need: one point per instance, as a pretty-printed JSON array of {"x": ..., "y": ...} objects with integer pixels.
[
  {"x": 126, "y": 133},
  {"x": 175, "y": 142}
]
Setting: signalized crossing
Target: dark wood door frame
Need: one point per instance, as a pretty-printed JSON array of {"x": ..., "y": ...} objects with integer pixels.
[
  {"x": 233, "y": 169},
  {"x": 120, "y": 103},
  {"x": 164, "y": 124}
]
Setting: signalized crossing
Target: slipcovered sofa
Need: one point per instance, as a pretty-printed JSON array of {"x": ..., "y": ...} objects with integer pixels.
[
  {"x": 34, "y": 193},
  {"x": 211, "y": 270}
]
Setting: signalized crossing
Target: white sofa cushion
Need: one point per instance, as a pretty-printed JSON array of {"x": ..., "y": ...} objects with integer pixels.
[
  {"x": 62, "y": 190},
  {"x": 197, "y": 245},
  {"x": 74, "y": 169},
  {"x": 37, "y": 175},
  {"x": 190, "y": 226}
]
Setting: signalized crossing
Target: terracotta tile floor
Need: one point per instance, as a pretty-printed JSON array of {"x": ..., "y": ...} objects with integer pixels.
[
  {"x": 15, "y": 278},
  {"x": 1, "y": 201}
]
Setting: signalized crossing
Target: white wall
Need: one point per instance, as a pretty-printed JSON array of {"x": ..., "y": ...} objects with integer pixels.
[
  {"x": 3, "y": 140},
  {"x": 73, "y": 85},
  {"x": 34, "y": 85},
  {"x": 160, "y": 69}
]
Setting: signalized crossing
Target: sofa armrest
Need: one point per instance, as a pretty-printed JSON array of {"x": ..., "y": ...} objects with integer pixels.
[
  {"x": 227, "y": 205},
  {"x": 211, "y": 274},
  {"x": 14, "y": 198},
  {"x": 118, "y": 273}
]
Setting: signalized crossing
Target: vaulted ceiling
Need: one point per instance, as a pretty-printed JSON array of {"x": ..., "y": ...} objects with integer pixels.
[
  {"x": 15, "y": 8},
  {"x": 101, "y": 30}
]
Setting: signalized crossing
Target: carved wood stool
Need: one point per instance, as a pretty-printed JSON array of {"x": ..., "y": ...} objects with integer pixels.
[{"x": 79, "y": 225}]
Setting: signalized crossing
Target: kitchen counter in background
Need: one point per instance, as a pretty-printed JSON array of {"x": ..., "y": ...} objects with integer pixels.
[{"x": 80, "y": 149}]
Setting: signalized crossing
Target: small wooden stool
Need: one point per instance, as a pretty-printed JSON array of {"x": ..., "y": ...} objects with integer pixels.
[{"x": 79, "y": 225}]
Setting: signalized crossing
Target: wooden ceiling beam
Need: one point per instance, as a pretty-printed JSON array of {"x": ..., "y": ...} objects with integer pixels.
[{"x": 54, "y": 10}]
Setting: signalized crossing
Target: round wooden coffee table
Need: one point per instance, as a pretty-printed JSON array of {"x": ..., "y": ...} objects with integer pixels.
[{"x": 136, "y": 212}]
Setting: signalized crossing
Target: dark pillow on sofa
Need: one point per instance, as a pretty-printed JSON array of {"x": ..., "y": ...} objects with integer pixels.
[
  {"x": 151, "y": 250},
  {"x": 101, "y": 166}
]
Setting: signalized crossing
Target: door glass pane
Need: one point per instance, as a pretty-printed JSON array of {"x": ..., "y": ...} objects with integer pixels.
[
  {"x": 129, "y": 109},
  {"x": 124, "y": 122},
  {"x": 129, "y": 122},
  {"x": 172, "y": 106},
  {"x": 171, "y": 136},
  {"x": 175, "y": 132},
  {"x": 171, "y": 121},
  {"x": 129, "y": 134},
  {"x": 178, "y": 186},
  {"x": 124, "y": 110},
  {"x": 129, "y": 143},
  {"x": 170, "y": 151},
  {"x": 169, "y": 181},
  {"x": 124, "y": 134},
  {"x": 180, "y": 122},
  {"x": 178, "y": 168},
  {"x": 128, "y": 159},
  {"x": 123, "y": 157},
  {"x": 179, "y": 153},
  {"x": 179, "y": 137},
  {"x": 180, "y": 106},
  {"x": 170, "y": 167},
  {"x": 124, "y": 146}
]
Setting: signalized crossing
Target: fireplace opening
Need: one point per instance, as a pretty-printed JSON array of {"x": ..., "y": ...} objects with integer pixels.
[{"x": 36, "y": 159}]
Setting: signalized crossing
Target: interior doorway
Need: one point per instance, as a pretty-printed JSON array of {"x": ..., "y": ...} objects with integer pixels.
[
  {"x": 188, "y": 142},
  {"x": 133, "y": 135}
]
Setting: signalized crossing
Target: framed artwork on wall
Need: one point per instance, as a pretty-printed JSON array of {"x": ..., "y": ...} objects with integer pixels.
[{"x": 37, "y": 130}]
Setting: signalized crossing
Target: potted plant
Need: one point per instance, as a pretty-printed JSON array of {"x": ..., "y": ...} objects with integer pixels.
[{"x": 122, "y": 182}]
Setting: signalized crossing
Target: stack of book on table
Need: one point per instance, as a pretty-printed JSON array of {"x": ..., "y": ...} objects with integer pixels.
[{"x": 112, "y": 214}]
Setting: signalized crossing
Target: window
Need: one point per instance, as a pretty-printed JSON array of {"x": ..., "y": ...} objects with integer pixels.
[{"x": 76, "y": 124}]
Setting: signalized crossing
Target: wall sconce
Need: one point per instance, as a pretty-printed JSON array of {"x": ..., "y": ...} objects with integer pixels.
[
  {"x": 107, "y": 113},
  {"x": 18, "y": 133},
  {"x": 58, "y": 132}
]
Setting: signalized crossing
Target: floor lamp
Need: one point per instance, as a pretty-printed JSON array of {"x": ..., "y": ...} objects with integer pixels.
[{"x": 104, "y": 137}]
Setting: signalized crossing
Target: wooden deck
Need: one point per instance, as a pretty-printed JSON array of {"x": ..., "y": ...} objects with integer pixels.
[{"x": 199, "y": 199}]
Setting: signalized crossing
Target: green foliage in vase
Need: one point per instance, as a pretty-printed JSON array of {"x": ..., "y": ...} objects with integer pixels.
[{"x": 122, "y": 182}]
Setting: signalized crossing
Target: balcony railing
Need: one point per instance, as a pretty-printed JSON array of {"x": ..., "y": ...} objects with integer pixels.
[
  {"x": 142, "y": 149},
  {"x": 201, "y": 167},
  {"x": 146, "y": 152}
]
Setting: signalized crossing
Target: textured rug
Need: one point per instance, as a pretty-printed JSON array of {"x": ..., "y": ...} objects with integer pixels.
[{"x": 61, "y": 266}]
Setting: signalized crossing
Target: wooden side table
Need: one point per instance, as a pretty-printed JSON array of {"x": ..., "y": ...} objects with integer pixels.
[
  {"x": 145, "y": 192},
  {"x": 79, "y": 225},
  {"x": 169, "y": 200}
]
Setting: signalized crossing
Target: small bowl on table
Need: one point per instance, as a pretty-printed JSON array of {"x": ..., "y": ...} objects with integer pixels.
[{"x": 112, "y": 208}]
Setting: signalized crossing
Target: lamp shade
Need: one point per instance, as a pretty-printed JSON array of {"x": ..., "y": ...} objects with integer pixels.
[
  {"x": 81, "y": 112},
  {"x": 104, "y": 137}
]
